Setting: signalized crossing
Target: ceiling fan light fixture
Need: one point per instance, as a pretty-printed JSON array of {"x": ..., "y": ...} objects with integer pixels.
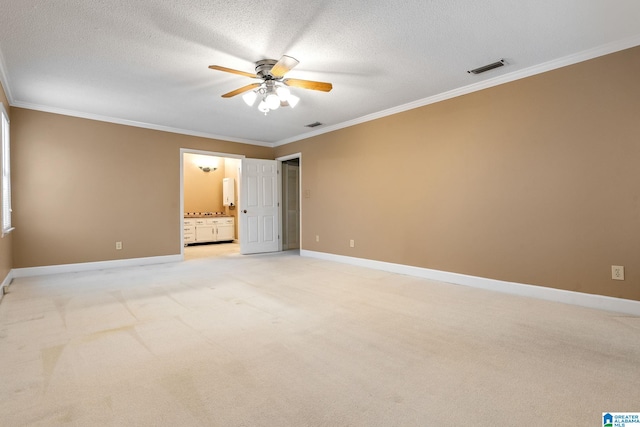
[
  {"x": 283, "y": 93},
  {"x": 272, "y": 101},
  {"x": 250, "y": 98},
  {"x": 262, "y": 107},
  {"x": 273, "y": 92}
]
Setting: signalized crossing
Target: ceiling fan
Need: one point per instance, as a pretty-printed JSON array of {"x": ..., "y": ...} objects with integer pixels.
[{"x": 272, "y": 91}]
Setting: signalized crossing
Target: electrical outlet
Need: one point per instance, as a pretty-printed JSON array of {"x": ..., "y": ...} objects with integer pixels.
[
  {"x": 118, "y": 246},
  {"x": 352, "y": 243},
  {"x": 617, "y": 272},
  {"x": 317, "y": 238}
]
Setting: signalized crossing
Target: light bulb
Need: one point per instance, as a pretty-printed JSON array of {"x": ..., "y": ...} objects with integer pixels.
[
  {"x": 263, "y": 107},
  {"x": 293, "y": 100},
  {"x": 250, "y": 98},
  {"x": 283, "y": 93},
  {"x": 272, "y": 101}
]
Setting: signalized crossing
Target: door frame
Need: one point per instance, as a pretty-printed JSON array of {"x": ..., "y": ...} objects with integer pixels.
[
  {"x": 240, "y": 156},
  {"x": 181, "y": 213},
  {"x": 280, "y": 203}
]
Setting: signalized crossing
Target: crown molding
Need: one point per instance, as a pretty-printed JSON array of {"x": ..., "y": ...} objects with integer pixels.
[
  {"x": 485, "y": 84},
  {"x": 119, "y": 121},
  {"x": 4, "y": 80}
]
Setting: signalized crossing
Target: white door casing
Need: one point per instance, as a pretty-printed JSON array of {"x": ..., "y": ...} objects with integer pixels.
[{"x": 258, "y": 216}]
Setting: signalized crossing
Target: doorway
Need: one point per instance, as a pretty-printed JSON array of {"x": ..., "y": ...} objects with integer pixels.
[
  {"x": 289, "y": 190},
  {"x": 202, "y": 177},
  {"x": 291, "y": 204}
]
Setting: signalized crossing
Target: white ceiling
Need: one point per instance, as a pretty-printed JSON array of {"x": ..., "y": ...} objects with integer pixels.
[{"x": 144, "y": 62}]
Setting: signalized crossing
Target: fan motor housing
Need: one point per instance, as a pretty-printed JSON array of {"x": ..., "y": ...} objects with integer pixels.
[{"x": 263, "y": 68}]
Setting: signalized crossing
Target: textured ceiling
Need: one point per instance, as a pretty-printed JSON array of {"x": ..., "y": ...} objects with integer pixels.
[{"x": 145, "y": 62}]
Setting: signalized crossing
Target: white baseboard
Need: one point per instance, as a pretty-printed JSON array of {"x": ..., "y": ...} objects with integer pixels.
[
  {"x": 5, "y": 284},
  {"x": 599, "y": 302},
  {"x": 89, "y": 266}
]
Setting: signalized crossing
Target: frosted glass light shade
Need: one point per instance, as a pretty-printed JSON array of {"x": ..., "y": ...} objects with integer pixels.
[
  {"x": 249, "y": 98},
  {"x": 272, "y": 101},
  {"x": 206, "y": 163},
  {"x": 283, "y": 93}
]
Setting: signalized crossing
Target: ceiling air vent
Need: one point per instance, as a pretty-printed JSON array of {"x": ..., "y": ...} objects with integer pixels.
[
  {"x": 313, "y": 125},
  {"x": 487, "y": 67}
]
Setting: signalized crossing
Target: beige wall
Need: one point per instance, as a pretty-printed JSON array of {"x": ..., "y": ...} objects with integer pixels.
[
  {"x": 81, "y": 185},
  {"x": 202, "y": 190},
  {"x": 535, "y": 181},
  {"x": 6, "y": 258}
]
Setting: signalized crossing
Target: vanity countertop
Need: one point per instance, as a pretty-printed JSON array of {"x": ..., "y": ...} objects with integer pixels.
[{"x": 206, "y": 215}]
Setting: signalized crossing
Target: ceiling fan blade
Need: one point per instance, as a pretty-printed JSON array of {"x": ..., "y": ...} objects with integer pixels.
[
  {"x": 241, "y": 90},
  {"x": 231, "y": 70},
  {"x": 308, "y": 84},
  {"x": 283, "y": 66}
]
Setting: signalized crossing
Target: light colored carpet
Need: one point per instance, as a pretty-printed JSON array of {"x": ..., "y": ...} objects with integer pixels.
[{"x": 283, "y": 340}]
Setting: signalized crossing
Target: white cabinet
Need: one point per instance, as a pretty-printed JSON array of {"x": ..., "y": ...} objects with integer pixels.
[
  {"x": 225, "y": 229},
  {"x": 198, "y": 230},
  {"x": 205, "y": 233},
  {"x": 189, "y": 230}
]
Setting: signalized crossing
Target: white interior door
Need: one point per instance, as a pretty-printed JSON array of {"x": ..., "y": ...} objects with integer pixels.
[{"x": 259, "y": 224}]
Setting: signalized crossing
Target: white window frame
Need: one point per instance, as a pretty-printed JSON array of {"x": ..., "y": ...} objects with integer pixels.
[{"x": 6, "y": 172}]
